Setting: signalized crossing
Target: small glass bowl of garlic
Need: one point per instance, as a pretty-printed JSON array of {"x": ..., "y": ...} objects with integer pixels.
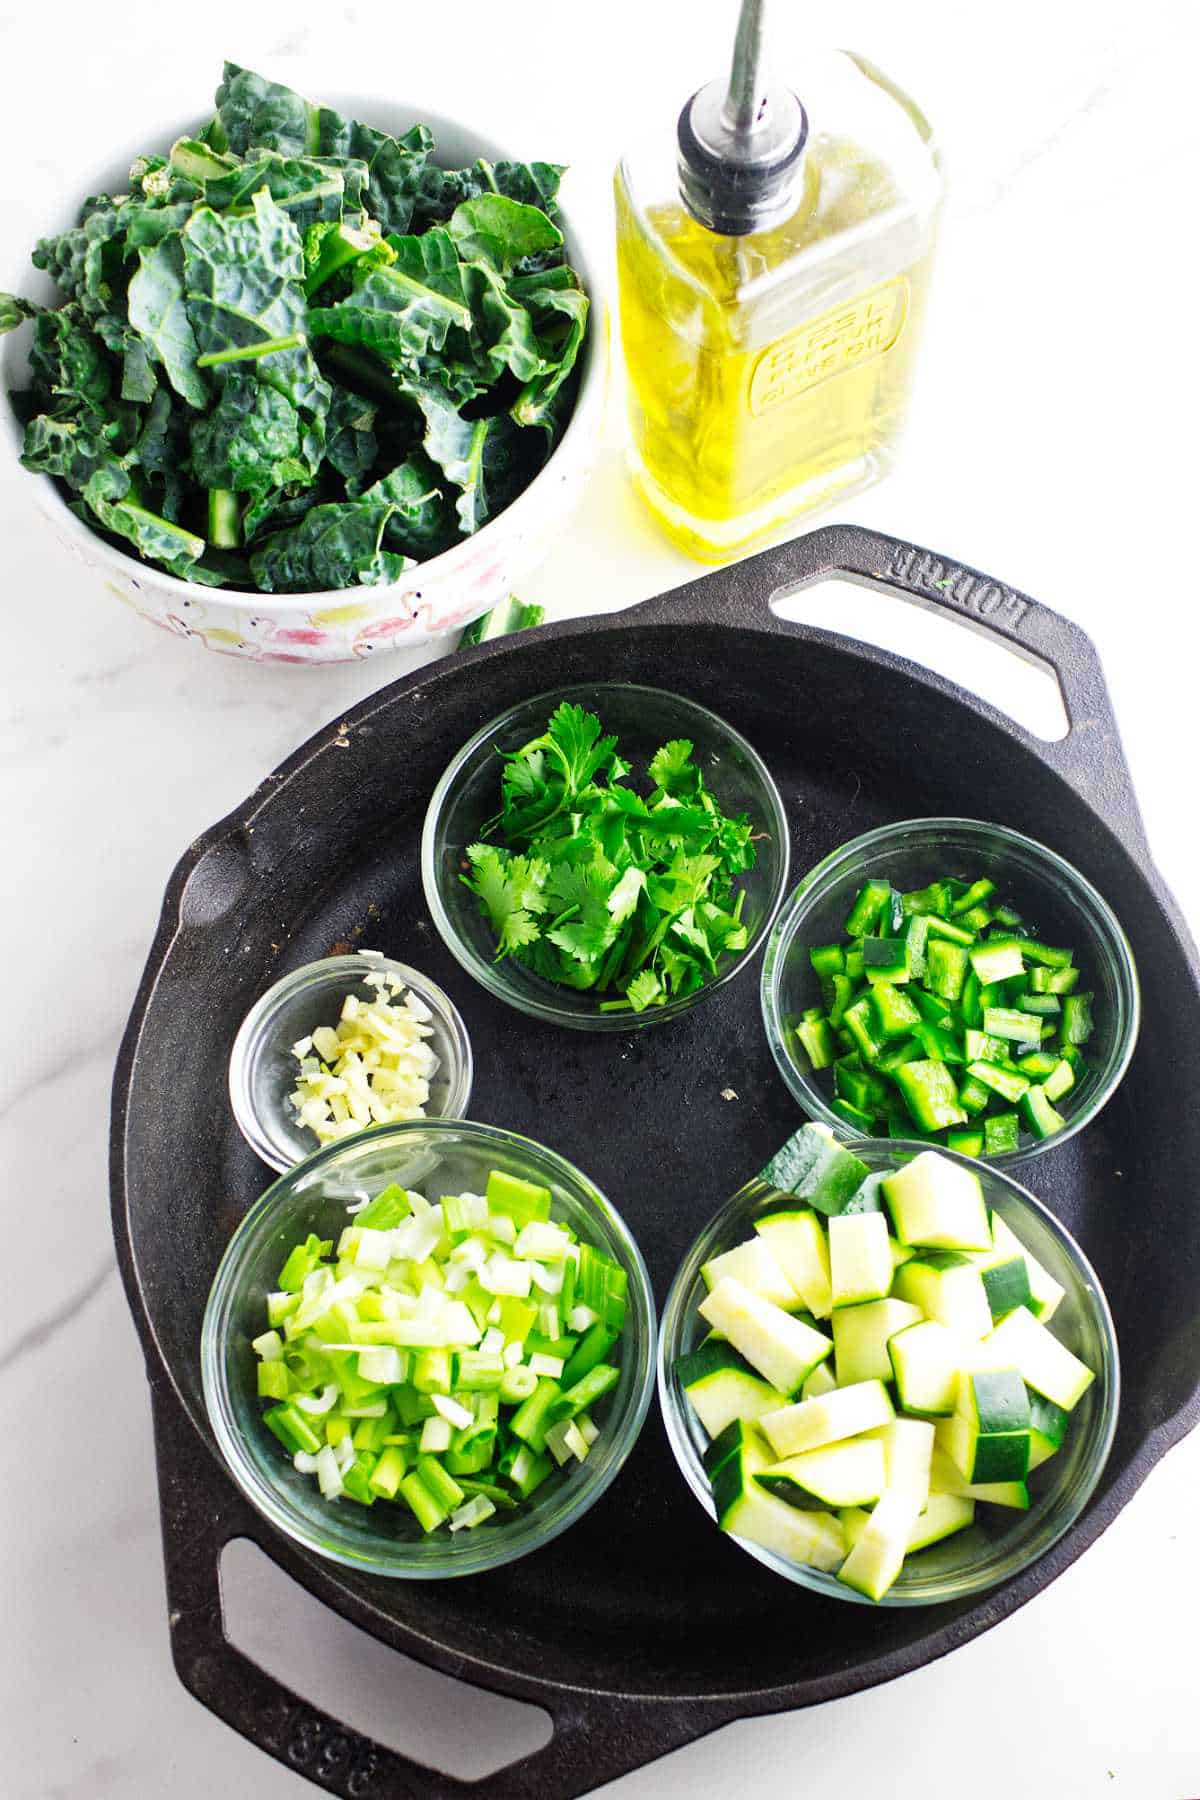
[{"x": 342, "y": 1045}]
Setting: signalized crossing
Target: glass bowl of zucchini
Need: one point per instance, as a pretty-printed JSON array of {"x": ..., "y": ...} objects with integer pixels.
[
  {"x": 888, "y": 1372},
  {"x": 604, "y": 857},
  {"x": 950, "y": 980},
  {"x": 428, "y": 1349}
]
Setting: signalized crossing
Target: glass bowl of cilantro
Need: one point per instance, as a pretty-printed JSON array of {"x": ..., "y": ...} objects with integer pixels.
[{"x": 604, "y": 856}]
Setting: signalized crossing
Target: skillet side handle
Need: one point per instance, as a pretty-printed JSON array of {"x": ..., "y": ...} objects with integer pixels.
[
  {"x": 595, "y": 1740},
  {"x": 1090, "y": 757}
]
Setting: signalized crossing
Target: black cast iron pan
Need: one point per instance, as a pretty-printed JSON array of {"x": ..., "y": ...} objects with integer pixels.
[{"x": 628, "y": 1647}]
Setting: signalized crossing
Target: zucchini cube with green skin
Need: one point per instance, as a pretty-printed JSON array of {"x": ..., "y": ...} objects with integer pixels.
[
  {"x": 827, "y": 1177},
  {"x": 936, "y": 1204},
  {"x": 721, "y": 1386},
  {"x": 745, "y": 1509},
  {"x": 811, "y": 1424},
  {"x": 925, "y": 1360},
  {"x": 946, "y": 1478},
  {"x": 878, "y": 1557},
  {"x": 1023, "y": 1343},
  {"x": 847, "y": 1474},
  {"x": 799, "y": 1246},
  {"x": 782, "y": 1349},
  {"x": 988, "y": 1436},
  {"x": 1046, "y": 1293},
  {"x": 907, "y": 1455},
  {"x": 860, "y": 1262},
  {"x": 753, "y": 1264},
  {"x": 947, "y": 1287},
  {"x": 861, "y": 1335},
  {"x": 929, "y": 1092},
  {"x": 821, "y": 1381},
  {"x": 1047, "y": 1428},
  {"x": 944, "y": 1514},
  {"x": 738, "y": 1436}
]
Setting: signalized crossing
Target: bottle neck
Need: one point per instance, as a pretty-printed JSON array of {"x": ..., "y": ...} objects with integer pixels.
[{"x": 737, "y": 180}]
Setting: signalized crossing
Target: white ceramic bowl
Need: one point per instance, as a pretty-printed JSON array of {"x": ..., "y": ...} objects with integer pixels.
[{"x": 339, "y": 625}]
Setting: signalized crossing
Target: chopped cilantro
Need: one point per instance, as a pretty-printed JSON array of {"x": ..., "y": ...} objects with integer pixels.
[{"x": 597, "y": 886}]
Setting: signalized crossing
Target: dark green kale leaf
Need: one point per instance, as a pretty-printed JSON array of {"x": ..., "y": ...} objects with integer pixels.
[
  {"x": 158, "y": 311},
  {"x": 309, "y": 190},
  {"x": 501, "y": 232},
  {"x": 84, "y": 262},
  {"x": 244, "y": 286},
  {"x": 350, "y": 442},
  {"x": 111, "y": 496},
  {"x": 68, "y": 360},
  {"x": 333, "y": 546},
  {"x": 71, "y": 449},
  {"x": 253, "y": 110},
  {"x": 391, "y": 314},
  {"x": 250, "y": 441},
  {"x": 422, "y": 523}
]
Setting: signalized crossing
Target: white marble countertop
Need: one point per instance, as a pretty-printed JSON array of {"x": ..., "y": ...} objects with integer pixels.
[{"x": 1053, "y": 444}]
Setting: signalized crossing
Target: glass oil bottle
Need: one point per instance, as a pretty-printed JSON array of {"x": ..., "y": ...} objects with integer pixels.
[{"x": 773, "y": 261}]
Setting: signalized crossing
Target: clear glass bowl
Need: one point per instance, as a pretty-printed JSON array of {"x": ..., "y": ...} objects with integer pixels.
[
  {"x": 1064, "y": 907},
  {"x": 263, "y": 1070},
  {"x": 1002, "y": 1541},
  {"x": 643, "y": 719},
  {"x": 436, "y": 1156}
]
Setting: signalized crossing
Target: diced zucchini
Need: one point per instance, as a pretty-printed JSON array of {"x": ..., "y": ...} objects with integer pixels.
[
  {"x": 947, "y": 1287},
  {"x": 722, "y": 1386},
  {"x": 1047, "y": 1428},
  {"x": 783, "y": 1349},
  {"x": 946, "y": 1478},
  {"x": 738, "y": 1436},
  {"x": 747, "y": 1510},
  {"x": 799, "y": 1246},
  {"x": 821, "y": 1381},
  {"x": 944, "y": 1514},
  {"x": 860, "y": 1262},
  {"x": 988, "y": 1436},
  {"x": 754, "y": 1264},
  {"x": 860, "y": 1338},
  {"x": 1046, "y": 1292},
  {"x": 1025, "y": 1344},
  {"x": 811, "y": 1424},
  {"x": 1005, "y": 1282},
  {"x": 831, "y": 1177},
  {"x": 937, "y": 1204},
  {"x": 907, "y": 1450},
  {"x": 925, "y": 1359},
  {"x": 847, "y": 1474},
  {"x": 877, "y": 1558}
]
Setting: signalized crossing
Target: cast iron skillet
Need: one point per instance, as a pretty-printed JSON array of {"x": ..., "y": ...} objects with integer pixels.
[{"x": 639, "y": 1606}]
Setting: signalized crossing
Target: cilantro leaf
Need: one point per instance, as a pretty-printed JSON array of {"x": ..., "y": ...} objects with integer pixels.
[
  {"x": 644, "y": 990},
  {"x": 576, "y": 734},
  {"x": 510, "y": 888},
  {"x": 673, "y": 769}
]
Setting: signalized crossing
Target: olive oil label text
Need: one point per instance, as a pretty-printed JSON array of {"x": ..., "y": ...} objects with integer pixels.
[{"x": 840, "y": 339}]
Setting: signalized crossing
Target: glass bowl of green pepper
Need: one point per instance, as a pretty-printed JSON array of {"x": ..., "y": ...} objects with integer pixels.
[
  {"x": 603, "y": 857},
  {"x": 955, "y": 980},
  {"x": 368, "y": 1302}
]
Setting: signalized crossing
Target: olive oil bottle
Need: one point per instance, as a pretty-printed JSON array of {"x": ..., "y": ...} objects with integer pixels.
[{"x": 773, "y": 260}]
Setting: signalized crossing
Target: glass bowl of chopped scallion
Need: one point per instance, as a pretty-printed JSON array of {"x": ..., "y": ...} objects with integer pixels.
[
  {"x": 605, "y": 856},
  {"x": 429, "y": 1349},
  {"x": 345, "y": 1045},
  {"x": 954, "y": 980}
]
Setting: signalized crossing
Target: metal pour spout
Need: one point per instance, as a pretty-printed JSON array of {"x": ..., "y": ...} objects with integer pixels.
[{"x": 740, "y": 143}]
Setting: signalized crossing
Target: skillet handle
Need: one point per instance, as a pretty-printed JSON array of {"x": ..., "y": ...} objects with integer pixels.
[
  {"x": 596, "y": 1739},
  {"x": 1090, "y": 757}
]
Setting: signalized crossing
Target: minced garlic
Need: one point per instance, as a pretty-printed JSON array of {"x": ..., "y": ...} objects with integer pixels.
[{"x": 372, "y": 1068}]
